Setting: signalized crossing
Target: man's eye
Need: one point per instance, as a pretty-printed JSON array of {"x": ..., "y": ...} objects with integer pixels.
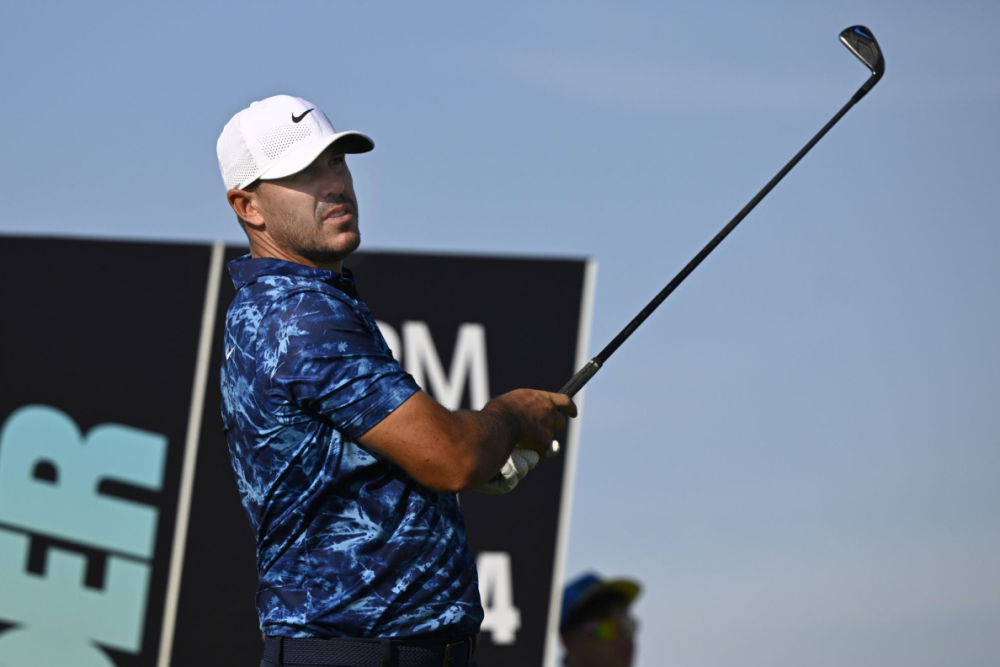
[{"x": 335, "y": 161}]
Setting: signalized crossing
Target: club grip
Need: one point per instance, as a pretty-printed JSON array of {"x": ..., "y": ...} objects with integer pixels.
[{"x": 581, "y": 378}]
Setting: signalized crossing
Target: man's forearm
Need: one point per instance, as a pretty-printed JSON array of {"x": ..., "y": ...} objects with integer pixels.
[
  {"x": 452, "y": 451},
  {"x": 497, "y": 429}
]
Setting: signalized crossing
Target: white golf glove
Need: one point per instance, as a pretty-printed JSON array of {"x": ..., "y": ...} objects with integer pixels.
[{"x": 514, "y": 470}]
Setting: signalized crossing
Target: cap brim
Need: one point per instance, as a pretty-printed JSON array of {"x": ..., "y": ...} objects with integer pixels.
[
  {"x": 303, "y": 155},
  {"x": 627, "y": 589}
]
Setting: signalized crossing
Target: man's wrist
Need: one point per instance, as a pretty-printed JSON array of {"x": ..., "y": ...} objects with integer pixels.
[{"x": 510, "y": 419}]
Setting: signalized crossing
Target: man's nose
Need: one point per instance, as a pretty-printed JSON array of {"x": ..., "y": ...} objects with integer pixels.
[{"x": 333, "y": 183}]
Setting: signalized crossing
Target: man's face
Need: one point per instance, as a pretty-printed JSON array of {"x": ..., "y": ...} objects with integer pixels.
[
  {"x": 603, "y": 642},
  {"x": 312, "y": 215}
]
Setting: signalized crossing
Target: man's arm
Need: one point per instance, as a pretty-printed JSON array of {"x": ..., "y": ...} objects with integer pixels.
[{"x": 453, "y": 451}]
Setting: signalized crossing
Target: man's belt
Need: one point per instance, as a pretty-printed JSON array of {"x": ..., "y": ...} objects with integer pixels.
[{"x": 384, "y": 652}]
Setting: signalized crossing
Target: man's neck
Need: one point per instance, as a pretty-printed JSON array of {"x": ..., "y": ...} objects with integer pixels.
[{"x": 259, "y": 251}]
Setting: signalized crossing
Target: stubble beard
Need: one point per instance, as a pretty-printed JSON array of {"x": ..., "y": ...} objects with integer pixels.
[{"x": 312, "y": 240}]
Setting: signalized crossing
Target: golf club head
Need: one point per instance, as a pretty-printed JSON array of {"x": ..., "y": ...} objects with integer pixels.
[{"x": 861, "y": 42}]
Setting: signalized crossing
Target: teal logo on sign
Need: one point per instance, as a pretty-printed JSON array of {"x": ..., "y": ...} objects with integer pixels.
[{"x": 50, "y": 495}]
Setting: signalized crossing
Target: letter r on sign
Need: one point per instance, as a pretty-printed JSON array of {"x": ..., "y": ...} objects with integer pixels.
[{"x": 70, "y": 507}]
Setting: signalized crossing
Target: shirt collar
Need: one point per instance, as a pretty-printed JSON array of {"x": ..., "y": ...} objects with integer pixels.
[{"x": 246, "y": 269}]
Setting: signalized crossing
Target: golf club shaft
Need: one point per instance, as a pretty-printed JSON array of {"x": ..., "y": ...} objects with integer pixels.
[{"x": 582, "y": 376}]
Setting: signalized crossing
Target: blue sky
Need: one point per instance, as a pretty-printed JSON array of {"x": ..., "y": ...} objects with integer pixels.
[{"x": 798, "y": 453}]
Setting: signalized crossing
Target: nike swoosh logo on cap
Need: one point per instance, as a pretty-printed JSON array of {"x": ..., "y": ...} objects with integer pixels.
[{"x": 305, "y": 113}]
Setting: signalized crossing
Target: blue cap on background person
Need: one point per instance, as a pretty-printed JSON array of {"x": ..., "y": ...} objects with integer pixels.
[
  {"x": 589, "y": 586},
  {"x": 596, "y": 626}
]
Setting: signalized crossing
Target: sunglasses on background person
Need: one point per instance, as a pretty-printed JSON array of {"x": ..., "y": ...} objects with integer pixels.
[{"x": 610, "y": 629}]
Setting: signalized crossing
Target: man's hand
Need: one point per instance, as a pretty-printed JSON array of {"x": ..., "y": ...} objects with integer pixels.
[
  {"x": 546, "y": 414},
  {"x": 540, "y": 415}
]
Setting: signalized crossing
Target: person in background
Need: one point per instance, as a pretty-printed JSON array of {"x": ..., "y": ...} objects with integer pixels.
[{"x": 596, "y": 626}]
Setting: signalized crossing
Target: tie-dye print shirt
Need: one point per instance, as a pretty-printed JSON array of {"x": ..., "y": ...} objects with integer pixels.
[{"x": 348, "y": 544}]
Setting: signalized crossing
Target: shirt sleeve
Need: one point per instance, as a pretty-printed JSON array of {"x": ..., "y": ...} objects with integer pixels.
[{"x": 316, "y": 354}]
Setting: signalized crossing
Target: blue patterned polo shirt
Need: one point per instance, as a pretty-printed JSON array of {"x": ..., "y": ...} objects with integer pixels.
[{"x": 348, "y": 544}]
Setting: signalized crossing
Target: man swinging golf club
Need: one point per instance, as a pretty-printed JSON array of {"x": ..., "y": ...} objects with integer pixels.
[{"x": 347, "y": 470}]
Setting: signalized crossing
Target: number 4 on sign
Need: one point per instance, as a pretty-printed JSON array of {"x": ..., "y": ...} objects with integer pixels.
[{"x": 496, "y": 588}]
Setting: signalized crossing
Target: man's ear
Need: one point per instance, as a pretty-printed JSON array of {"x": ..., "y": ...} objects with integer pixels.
[{"x": 245, "y": 205}]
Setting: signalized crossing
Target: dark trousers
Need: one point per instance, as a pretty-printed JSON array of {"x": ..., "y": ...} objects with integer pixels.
[
  {"x": 386, "y": 652},
  {"x": 264, "y": 663}
]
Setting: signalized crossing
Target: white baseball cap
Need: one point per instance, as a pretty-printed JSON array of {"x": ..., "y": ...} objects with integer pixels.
[{"x": 278, "y": 137}]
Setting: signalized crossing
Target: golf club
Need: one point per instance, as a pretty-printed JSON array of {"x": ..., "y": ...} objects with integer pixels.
[{"x": 861, "y": 42}]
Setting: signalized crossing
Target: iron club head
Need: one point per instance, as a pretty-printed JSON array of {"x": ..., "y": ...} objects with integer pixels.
[{"x": 861, "y": 42}]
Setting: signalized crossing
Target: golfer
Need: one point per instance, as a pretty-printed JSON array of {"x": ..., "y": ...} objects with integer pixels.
[{"x": 347, "y": 470}]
